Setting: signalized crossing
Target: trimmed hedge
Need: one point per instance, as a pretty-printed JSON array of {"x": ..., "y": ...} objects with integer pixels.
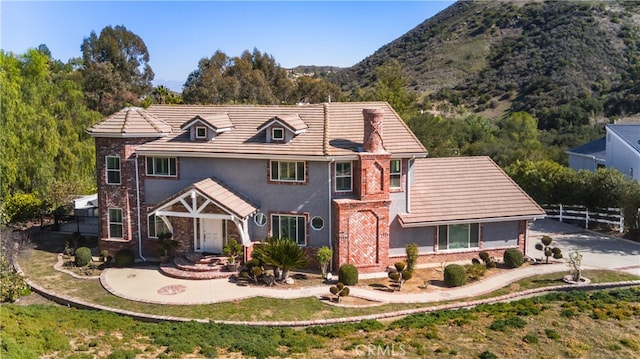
[
  {"x": 455, "y": 275},
  {"x": 124, "y": 258},
  {"x": 513, "y": 258},
  {"x": 82, "y": 256},
  {"x": 348, "y": 274}
]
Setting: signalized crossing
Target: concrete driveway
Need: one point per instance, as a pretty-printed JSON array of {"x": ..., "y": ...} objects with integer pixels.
[{"x": 598, "y": 250}]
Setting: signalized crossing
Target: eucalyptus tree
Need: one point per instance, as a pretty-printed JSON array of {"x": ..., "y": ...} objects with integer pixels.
[{"x": 116, "y": 69}]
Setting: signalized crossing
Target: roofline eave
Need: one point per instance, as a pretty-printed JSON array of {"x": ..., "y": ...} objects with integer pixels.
[{"x": 531, "y": 217}]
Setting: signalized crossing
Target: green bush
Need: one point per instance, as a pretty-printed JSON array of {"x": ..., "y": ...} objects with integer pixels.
[
  {"x": 455, "y": 275},
  {"x": 487, "y": 355},
  {"x": 475, "y": 271},
  {"x": 82, "y": 256},
  {"x": 513, "y": 258},
  {"x": 412, "y": 256},
  {"x": 124, "y": 257},
  {"x": 530, "y": 338},
  {"x": 348, "y": 274}
]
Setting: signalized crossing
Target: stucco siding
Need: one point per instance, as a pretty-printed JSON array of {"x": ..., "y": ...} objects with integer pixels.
[
  {"x": 249, "y": 178},
  {"x": 399, "y": 237},
  {"x": 500, "y": 234}
]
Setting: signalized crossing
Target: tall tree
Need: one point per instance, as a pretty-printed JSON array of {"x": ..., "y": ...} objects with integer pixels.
[
  {"x": 391, "y": 87},
  {"x": 116, "y": 69},
  {"x": 44, "y": 118}
]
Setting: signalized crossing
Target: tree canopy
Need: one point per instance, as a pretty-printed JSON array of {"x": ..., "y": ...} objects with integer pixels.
[
  {"x": 44, "y": 119},
  {"x": 116, "y": 70}
]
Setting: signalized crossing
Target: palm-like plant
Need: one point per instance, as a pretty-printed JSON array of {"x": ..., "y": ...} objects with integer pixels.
[{"x": 284, "y": 254}]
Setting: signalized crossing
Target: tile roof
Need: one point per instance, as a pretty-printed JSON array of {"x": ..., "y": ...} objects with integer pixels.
[
  {"x": 292, "y": 121},
  {"x": 130, "y": 122},
  {"x": 628, "y": 133},
  {"x": 465, "y": 189},
  {"x": 223, "y": 196},
  {"x": 216, "y": 121},
  {"x": 334, "y": 129}
]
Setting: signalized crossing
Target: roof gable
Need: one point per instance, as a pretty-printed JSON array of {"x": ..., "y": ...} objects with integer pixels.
[{"x": 218, "y": 122}]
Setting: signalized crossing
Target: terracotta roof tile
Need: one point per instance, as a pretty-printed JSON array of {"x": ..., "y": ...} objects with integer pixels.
[
  {"x": 131, "y": 121},
  {"x": 215, "y": 121},
  {"x": 334, "y": 129},
  {"x": 465, "y": 188}
]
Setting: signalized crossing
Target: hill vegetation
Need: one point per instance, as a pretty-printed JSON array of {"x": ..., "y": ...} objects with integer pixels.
[{"x": 568, "y": 63}]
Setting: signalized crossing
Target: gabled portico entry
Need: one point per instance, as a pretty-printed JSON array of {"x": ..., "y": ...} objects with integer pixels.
[{"x": 212, "y": 208}]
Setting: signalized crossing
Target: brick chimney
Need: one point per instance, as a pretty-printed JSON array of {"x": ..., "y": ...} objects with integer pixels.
[{"x": 373, "y": 130}]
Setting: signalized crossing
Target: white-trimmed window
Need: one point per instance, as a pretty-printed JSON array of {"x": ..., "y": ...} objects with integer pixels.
[
  {"x": 277, "y": 134},
  {"x": 317, "y": 223},
  {"x": 162, "y": 166},
  {"x": 396, "y": 174},
  {"x": 115, "y": 222},
  {"x": 156, "y": 226},
  {"x": 260, "y": 219},
  {"x": 344, "y": 176},
  {"x": 201, "y": 132},
  {"x": 288, "y": 226},
  {"x": 288, "y": 171},
  {"x": 458, "y": 236},
  {"x": 113, "y": 170}
]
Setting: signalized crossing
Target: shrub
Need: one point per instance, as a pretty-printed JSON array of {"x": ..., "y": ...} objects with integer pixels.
[
  {"x": 552, "y": 334},
  {"x": 412, "y": 256},
  {"x": 124, "y": 257},
  {"x": 475, "y": 271},
  {"x": 348, "y": 274},
  {"x": 83, "y": 256},
  {"x": 339, "y": 290},
  {"x": 545, "y": 247},
  {"x": 324, "y": 256},
  {"x": 484, "y": 255},
  {"x": 487, "y": 355},
  {"x": 513, "y": 258},
  {"x": 455, "y": 275},
  {"x": 530, "y": 338}
]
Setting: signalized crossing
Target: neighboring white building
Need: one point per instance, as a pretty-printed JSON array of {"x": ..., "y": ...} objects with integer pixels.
[{"x": 619, "y": 149}]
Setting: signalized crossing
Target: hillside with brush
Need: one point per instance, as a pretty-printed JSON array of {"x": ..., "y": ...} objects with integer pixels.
[{"x": 567, "y": 63}]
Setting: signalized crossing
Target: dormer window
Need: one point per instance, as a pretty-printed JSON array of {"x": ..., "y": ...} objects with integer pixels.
[
  {"x": 206, "y": 127},
  {"x": 277, "y": 134},
  {"x": 283, "y": 128},
  {"x": 201, "y": 132}
]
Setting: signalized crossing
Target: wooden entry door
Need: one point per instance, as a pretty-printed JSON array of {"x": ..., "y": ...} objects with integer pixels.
[{"x": 212, "y": 238}]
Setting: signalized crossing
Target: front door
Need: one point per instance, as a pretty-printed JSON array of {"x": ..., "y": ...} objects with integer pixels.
[{"x": 211, "y": 235}]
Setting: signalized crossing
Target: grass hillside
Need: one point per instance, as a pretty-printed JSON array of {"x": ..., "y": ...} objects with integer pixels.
[{"x": 566, "y": 62}]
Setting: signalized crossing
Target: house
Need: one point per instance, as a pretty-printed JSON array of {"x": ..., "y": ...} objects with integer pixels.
[
  {"x": 351, "y": 176},
  {"x": 619, "y": 149}
]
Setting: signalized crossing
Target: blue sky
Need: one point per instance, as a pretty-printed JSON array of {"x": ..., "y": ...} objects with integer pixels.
[{"x": 178, "y": 34}]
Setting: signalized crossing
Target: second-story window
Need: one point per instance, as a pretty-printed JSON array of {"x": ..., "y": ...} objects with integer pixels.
[
  {"x": 277, "y": 134},
  {"x": 201, "y": 132},
  {"x": 288, "y": 171},
  {"x": 113, "y": 170},
  {"x": 344, "y": 177},
  {"x": 396, "y": 174},
  {"x": 162, "y": 166}
]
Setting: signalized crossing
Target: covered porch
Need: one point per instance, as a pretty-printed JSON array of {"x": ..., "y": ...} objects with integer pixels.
[{"x": 205, "y": 216}]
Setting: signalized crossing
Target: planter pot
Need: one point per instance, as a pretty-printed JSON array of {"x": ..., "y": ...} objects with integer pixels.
[{"x": 232, "y": 267}]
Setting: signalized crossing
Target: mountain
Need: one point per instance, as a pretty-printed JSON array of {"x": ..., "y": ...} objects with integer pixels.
[{"x": 566, "y": 62}]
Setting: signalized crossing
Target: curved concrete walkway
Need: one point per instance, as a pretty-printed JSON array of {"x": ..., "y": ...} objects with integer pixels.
[
  {"x": 150, "y": 286},
  {"x": 599, "y": 252}
]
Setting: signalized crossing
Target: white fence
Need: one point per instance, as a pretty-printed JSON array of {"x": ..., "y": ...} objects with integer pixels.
[{"x": 612, "y": 216}]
